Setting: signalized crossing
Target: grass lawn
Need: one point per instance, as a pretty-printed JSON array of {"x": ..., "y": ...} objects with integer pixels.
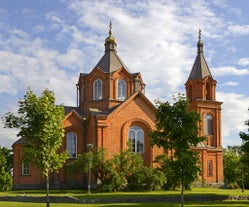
[
  {"x": 83, "y": 194},
  {"x": 193, "y": 204}
]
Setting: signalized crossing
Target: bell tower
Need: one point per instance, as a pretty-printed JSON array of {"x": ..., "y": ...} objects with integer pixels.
[{"x": 201, "y": 92}]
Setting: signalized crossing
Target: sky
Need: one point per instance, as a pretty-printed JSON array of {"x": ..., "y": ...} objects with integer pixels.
[{"x": 45, "y": 44}]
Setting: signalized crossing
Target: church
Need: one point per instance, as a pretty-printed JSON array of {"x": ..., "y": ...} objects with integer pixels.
[{"x": 112, "y": 109}]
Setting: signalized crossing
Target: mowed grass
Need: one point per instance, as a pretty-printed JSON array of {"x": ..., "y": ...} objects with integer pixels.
[
  {"x": 80, "y": 194},
  {"x": 167, "y": 204}
]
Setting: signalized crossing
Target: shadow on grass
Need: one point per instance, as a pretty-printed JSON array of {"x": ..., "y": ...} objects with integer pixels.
[{"x": 177, "y": 204}]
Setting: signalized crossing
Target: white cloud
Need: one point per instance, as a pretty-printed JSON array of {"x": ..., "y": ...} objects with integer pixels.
[
  {"x": 244, "y": 62},
  {"x": 38, "y": 29},
  {"x": 231, "y": 83},
  {"x": 5, "y": 86},
  {"x": 229, "y": 70},
  {"x": 7, "y": 136},
  {"x": 234, "y": 114},
  {"x": 238, "y": 29}
]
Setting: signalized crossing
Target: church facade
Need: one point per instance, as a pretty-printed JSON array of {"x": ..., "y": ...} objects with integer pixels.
[{"x": 113, "y": 109}]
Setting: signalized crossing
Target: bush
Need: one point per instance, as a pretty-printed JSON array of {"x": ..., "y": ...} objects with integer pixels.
[
  {"x": 233, "y": 186},
  {"x": 5, "y": 180}
]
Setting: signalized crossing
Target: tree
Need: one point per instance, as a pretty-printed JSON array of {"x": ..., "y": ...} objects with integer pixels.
[
  {"x": 124, "y": 171},
  {"x": 245, "y": 140},
  {"x": 99, "y": 165},
  {"x": 167, "y": 165},
  {"x": 245, "y": 150},
  {"x": 177, "y": 131},
  {"x": 39, "y": 122},
  {"x": 6, "y": 159},
  {"x": 6, "y": 154},
  {"x": 232, "y": 164}
]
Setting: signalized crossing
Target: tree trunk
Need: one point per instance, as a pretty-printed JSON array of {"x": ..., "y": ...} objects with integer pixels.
[
  {"x": 47, "y": 190},
  {"x": 242, "y": 178},
  {"x": 182, "y": 194}
]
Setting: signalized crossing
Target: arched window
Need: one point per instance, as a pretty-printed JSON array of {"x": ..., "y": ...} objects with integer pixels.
[
  {"x": 209, "y": 168},
  {"x": 97, "y": 89},
  {"x": 136, "y": 139},
  {"x": 121, "y": 90},
  {"x": 71, "y": 144},
  {"x": 208, "y": 124}
]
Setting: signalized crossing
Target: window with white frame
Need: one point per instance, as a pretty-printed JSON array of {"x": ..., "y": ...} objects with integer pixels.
[
  {"x": 121, "y": 89},
  {"x": 136, "y": 139},
  {"x": 25, "y": 169},
  {"x": 97, "y": 89},
  {"x": 71, "y": 144},
  {"x": 208, "y": 124}
]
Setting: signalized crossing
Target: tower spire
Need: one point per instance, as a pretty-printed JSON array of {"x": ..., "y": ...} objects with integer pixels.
[
  {"x": 199, "y": 35},
  {"x": 199, "y": 43},
  {"x": 110, "y": 28},
  {"x": 110, "y": 41},
  {"x": 200, "y": 68}
]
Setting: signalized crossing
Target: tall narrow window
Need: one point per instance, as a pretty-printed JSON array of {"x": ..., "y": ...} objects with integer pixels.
[
  {"x": 208, "y": 124},
  {"x": 121, "y": 90},
  {"x": 209, "y": 168},
  {"x": 190, "y": 93},
  {"x": 71, "y": 144},
  {"x": 208, "y": 97},
  {"x": 82, "y": 93},
  {"x": 25, "y": 169},
  {"x": 97, "y": 89},
  {"x": 136, "y": 139}
]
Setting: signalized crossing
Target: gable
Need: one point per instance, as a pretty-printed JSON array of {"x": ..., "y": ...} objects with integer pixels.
[
  {"x": 135, "y": 106},
  {"x": 122, "y": 73},
  {"x": 72, "y": 119},
  {"x": 96, "y": 73}
]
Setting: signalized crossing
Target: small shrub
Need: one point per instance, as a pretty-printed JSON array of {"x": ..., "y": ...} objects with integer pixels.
[{"x": 232, "y": 186}]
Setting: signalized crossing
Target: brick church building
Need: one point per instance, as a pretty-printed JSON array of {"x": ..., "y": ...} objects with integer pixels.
[{"x": 113, "y": 109}]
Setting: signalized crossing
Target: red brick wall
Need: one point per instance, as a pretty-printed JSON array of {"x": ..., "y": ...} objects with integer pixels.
[
  {"x": 35, "y": 177},
  {"x": 197, "y": 94}
]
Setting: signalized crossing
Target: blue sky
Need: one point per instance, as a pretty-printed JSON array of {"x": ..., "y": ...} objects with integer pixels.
[{"x": 46, "y": 44}]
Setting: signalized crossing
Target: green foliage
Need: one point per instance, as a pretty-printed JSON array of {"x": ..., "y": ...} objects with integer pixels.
[
  {"x": 232, "y": 164},
  {"x": 167, "y": 166},
  {"x": 233, "y": 186},
  {"x": 5, "y": 180},
  {"x": 173, "y": 171},
  {"x": 245, "y": 144},
  {"x": 177, "y": 130},
  {"x": 146, "y": 178},
  {"x": 245, "y": 153},
  {"x": 99, "y": 164},
  {"x": 129, "y": 173},
  {"x": 39, "y": 122},
  {"x": 176, "y": 126},
  {"x": 124, "y": 171},
  {"x": 6, "y": 159}
]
